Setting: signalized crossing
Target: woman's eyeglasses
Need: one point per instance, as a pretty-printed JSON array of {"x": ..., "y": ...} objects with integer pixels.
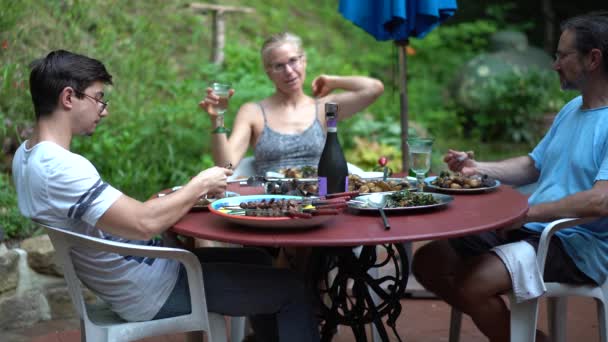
[
  {"x": 293, "y": 62},
  {"x": 102, "y": 104}
]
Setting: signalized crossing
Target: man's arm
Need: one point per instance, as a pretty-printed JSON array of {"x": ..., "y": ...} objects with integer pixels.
[
  {"x": 513, "y": 171},
  {"x": 132, "y": 219},
  {"x": 589, "y": 203}
]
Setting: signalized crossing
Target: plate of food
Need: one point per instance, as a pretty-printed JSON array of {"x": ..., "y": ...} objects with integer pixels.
[
  {"x": 457, "y": 183},
  {"x": 299, "y": 172},
  {"x": 292, "y": 186},
  {"x": 272, "y": 211},
  {"x": 203, "y": 202},
  {"x": 400, "y": 201},
  {"x": 378, "y": 184}
]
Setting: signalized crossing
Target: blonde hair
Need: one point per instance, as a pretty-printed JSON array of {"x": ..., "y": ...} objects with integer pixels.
[{"x": 279, "y": 39}]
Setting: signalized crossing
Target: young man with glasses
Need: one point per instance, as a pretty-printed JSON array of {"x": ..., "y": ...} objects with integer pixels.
[
  {"x": 63, "y": 189},
  {"x": 570, "y": 166}
]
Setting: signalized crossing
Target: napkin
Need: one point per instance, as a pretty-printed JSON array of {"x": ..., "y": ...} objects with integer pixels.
[{"x": 520, "y": 260}]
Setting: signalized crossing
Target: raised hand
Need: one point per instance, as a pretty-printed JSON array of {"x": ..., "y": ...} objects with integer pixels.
[
  {"x": 321, "y": 86},
  {"x": 459, "y": 161},
  {"x": 211, "y": 100}
]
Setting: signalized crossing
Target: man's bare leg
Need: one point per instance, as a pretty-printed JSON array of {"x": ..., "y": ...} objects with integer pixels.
[{"x": 472, "y": 286}]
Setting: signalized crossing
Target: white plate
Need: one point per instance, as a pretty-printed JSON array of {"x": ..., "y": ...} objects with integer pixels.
[
  {"x": 265, "y": 222},
  {"x": 371, "y": 174},
  {"x": 369, "y": 202},
  {"x": 428, "y": 184}
]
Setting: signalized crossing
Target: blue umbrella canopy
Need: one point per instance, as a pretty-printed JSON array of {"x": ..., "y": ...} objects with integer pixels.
[{"x": 398, "y": 20}]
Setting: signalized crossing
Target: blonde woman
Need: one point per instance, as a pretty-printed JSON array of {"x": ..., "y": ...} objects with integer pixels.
[{"x": 288, "y": 128}]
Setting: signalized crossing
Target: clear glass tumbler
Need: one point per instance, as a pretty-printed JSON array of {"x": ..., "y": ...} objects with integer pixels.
[
  {"x": 420, "y": 158},
  {"x": 222, "y": 90}
]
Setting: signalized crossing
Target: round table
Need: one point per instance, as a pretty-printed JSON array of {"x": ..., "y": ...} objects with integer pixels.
[{"x": 466, "y": 214}]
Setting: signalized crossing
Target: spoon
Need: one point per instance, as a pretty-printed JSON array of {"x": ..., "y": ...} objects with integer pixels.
[{"x": 379, "y": 201}]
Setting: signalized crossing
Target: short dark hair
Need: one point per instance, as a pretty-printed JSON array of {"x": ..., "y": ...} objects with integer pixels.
[
  {"x": 591, "y": 32},
  {"x": 60, "y": 69}
]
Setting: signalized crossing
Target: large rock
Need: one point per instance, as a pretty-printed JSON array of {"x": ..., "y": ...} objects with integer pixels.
[
  {"x": 8, "y": 269},
  {"x": 60, "y": 302},
  {"x": 23, "y": 310},
  {"x": 510, "y": 53},
  {"x": 41, "y": 255}
]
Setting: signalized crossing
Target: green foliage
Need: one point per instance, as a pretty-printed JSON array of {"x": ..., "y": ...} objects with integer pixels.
[
  {"x": 367, "y": 153},
  {"x": 11, "y": 222},
  {"x": 158, "y": 52},
  {"x": 511, "y": 106}
]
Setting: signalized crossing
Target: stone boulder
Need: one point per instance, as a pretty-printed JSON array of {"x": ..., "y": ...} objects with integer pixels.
[
  {"x": 41, "y": 255},
  {"x": 23, "y": 310},
  {"x": 510, "y": 53},
  {"x": 9, "y": 262},
  {"x": 60, "y": 303}
]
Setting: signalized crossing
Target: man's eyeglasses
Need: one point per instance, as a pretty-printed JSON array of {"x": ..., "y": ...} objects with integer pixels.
[
  {"x": 559, "y": 56},
  {"x": 293, "y": 62},
  {"x": 102, "y": 104}
]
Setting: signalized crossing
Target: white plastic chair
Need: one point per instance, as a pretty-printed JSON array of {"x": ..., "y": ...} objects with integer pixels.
[
  {"x": 524, "y": 315},
  {"x": 99, "y": 323}
]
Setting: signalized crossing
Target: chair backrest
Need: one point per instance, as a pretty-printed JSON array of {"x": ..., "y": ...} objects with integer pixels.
[
  {"x": 61, "y": 241},
  {"x": 244, "y": 169},
  {"x": 102, "y": 322}
]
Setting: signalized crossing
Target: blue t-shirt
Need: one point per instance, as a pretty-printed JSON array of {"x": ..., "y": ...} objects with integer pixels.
[{"x": 571, "y": 157}]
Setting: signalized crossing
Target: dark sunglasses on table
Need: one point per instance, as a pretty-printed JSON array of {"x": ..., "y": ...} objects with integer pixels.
[{"x": 102, "y": 104}]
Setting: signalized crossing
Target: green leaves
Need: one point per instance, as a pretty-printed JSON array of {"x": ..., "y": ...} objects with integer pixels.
[{"x": 511, "y": 106}]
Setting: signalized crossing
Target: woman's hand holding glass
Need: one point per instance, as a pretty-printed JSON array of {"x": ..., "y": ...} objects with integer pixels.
[{"x": 216, "y": 104}]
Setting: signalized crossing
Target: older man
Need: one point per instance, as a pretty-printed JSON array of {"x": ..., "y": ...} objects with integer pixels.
[{"x": 570, "y": 165}]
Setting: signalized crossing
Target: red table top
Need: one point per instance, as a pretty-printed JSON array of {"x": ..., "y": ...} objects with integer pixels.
[{"x": 466, "y": 214}]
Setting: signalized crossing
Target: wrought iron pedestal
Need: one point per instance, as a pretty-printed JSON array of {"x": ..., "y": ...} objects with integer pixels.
[{"x": 336, "y": 270}]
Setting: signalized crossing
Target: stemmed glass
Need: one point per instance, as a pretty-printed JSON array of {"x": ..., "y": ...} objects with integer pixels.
[
  {"x": 222, "y": 90},
  {"x": 420, "y": 158}
]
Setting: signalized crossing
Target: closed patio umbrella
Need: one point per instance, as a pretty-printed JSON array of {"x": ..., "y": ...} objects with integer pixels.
[{"x": 398, "y": 20}]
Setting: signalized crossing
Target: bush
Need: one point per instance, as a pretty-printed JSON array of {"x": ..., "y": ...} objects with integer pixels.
[
  {"x": 156, "y": 136},
  {"x": 12, "y": 223},
  {"x": 511, "y": 106}
]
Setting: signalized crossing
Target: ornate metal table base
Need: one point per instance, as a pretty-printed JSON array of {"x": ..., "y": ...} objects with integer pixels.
[{"x": 338, "y": 268}]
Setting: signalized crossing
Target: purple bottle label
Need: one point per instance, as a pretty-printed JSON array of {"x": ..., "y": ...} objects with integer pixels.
[
  {"x": 323, "y": 185},
  {"x": 332, "y": 121}
]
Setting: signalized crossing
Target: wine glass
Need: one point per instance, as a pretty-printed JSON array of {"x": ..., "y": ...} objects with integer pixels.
[
  {"x": 222, "y": 90},
  {"x": 420, "y": 158}
]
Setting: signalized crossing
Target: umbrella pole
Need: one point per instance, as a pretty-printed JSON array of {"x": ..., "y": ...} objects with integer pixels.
[{"x": 402, "y": 45}]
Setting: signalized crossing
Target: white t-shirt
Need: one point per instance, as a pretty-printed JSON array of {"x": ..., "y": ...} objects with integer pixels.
[{"x": 64, "y": 190}]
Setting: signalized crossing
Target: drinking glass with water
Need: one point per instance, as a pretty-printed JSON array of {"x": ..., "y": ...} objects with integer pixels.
[
  {"x": 222, "y": 90},
  {"x": 420, "y": 158}
]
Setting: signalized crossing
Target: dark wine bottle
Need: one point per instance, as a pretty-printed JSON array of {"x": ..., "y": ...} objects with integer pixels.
[{"x": 332, "y": 170}]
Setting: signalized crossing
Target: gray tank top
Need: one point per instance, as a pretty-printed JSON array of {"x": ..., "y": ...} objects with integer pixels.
[{"x": 275, "y": 151}]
